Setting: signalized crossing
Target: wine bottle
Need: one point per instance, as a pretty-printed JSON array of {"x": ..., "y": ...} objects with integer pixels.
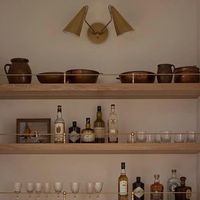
[{"x": 99, "y": 127}]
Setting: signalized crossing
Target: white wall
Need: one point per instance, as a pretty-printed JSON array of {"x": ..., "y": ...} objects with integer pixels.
[{"x": 165, "y": 31}]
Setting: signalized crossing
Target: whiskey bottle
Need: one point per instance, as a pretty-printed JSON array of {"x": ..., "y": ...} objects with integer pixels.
[
  {"x": 156, "y": 189},
  {"x": 183, "y": 192},
  {"x": 74, "y": 133},
  {"x": 113, "y": 126},
  {"x": 172, "y": 183},
  {"x": 138, "y": 189},
  {"x": 59, "y": 125},
  {"x": 87, "y": 135},
  {"x": 27, "y": 134},
  {"x": 99, "y": 127},
  {"x": 123, "y": 184}
]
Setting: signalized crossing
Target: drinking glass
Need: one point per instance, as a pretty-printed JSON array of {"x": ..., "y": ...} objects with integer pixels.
[
  {"x": 157, "y": 138},
  {"x": 47, "y": 188},
  {"x": 191, "y": 137},
  {"x": 38, "y": 189},
  {"x": 90, "y": 188},
  {"x": 165, "y": 137},
  {"x": 131, "y": 138},
  {"x": 30, "y": 188},
  {"x": 75, "y": 186},
  {"x": 141, "y": 136},
  {"x": 179, "y": 138},
  {"x": 98, "y": 186},
  {"x": 58, "y": 188},
  {"x": 17, "y": 188}
]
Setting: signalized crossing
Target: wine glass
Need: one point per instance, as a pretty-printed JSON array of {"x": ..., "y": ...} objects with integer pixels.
[
  {"x": 47, "y": 188},
  {"x": 90, "y": 188},
  {"x": 98, "y": 186},
  {"x": 58, "y": 188},
  {"x": 38, "y": 189},
  {"x": 75, "y": 186},
  {"x": 17, "y": 187},
  {"x": 30, "y": 188}
]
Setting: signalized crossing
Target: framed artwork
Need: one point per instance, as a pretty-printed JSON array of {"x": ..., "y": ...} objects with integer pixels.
[{"x": 33, "y": 130}]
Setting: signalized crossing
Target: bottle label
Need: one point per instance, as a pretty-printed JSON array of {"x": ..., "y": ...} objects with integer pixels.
[
  {"x": 123, "y": 189},
  {"x": 74, "y": 136},
  {"x": 88, "y": 137},
  {"x": 138, "y": 192},
  {"x": 188, "y": 194},
  {"x": 172, "y": 186},
  {"x": 99, "y": 132},
  {"x": 59, "y": 132},
  {"x": 157, "y": 196}
]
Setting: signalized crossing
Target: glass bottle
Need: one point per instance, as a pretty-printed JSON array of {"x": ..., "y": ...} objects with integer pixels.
[
  {"x": 74, "y": 133},
  {"x": 123, "y": 184},
  {"x": 27, "y": 133},
  {"x": 157, "y": 189},
  {"x": 138, "y": 189},
  {"x": 113, "y": 126},
  {"x": 99, "y": 127},
  {"x": 87, "y": 135},
  {"x": 172, "y": 183},
  {"x": 59, "y": 125},
  {"x": 183, "y": 192}
]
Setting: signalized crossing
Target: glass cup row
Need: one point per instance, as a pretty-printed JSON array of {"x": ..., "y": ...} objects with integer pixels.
[{"x": 164, "y": 137}]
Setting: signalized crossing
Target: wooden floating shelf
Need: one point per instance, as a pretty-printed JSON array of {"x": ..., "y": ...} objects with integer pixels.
[
  {"x": 100, "y": 91},
  {"x": 134, "y": 148}
]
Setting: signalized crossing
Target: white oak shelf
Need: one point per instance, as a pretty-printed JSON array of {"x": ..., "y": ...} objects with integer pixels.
[
  {"x": 100, "y": 91},
  {"x": 134, "y": 148}
]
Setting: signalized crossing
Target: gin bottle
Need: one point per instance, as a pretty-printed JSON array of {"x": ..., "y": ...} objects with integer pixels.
[
  {"x": 172, "y": 183},
  {"x": 183, "y": 192},
  {"x": 138, "y": 189}
]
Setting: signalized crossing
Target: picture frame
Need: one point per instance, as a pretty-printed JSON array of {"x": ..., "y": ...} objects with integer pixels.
[{"x": 33, "y": 130}]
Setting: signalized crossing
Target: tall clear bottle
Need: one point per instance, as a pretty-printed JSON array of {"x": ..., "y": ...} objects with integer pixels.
[
  {"x": 99, "y": 127},
  {"x": 113, "y": 126},
  {"x": 123, "y": 184},
  {"x": 157, "y": 189},
  {"x": 59, "y": 126},
  {"x": 172, "y": 183}
]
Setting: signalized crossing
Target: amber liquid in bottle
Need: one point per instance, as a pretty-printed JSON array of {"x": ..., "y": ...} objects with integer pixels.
[
  {"x": 183, "y": 192},
  {"x": 157, "y": 189},
  {"x": 99, "y": 127},
  {"x": 123, "y": 184},
  {"x": 87, "y": 134}
]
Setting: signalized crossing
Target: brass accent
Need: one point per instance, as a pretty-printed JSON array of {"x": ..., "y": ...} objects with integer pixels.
[
  {"x": 97, "y": 36},
  {"x": 121, "y": 25},
  {"x": 76, "y": 24}
]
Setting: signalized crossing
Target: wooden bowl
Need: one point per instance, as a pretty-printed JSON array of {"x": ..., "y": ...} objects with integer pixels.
[
  {"x": 81, "y": 76},
  {"x": 51, "y": 77}
]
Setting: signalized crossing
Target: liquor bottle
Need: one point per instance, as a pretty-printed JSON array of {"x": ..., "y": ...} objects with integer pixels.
[
  {"x": 172, "y": 183},
  {"x": 27, "y": 133},
  {"x": 157, "y": 189},
  {"x": 74, "y": 133},
  {"x": 138, "y": 189},
  {"x": 99, "y": 127},
  {"x": 87, "y": 135},
  {"x": 123, "y": 184},
  {"x": 59, "y": 125},
  {"x": 113, "y": 126},
  {"x": 183, "y": 192}
]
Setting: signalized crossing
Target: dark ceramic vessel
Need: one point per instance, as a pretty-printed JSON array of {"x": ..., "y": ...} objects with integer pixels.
[{"x": 165, "y": 73}]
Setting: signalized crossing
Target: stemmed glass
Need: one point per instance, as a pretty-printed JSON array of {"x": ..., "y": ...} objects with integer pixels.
[
  {"x": 30, "y": 188},
  {"x": 90, "y": 188},
  {"x": 98, "y": 186},
  {"x": 75, "y": 186},
  {"x": 38, "y": 189},
  {"x": 58, "y": 188},
  {"x": 47, "y": 189},
  {"x": 17, "y": 187}
]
